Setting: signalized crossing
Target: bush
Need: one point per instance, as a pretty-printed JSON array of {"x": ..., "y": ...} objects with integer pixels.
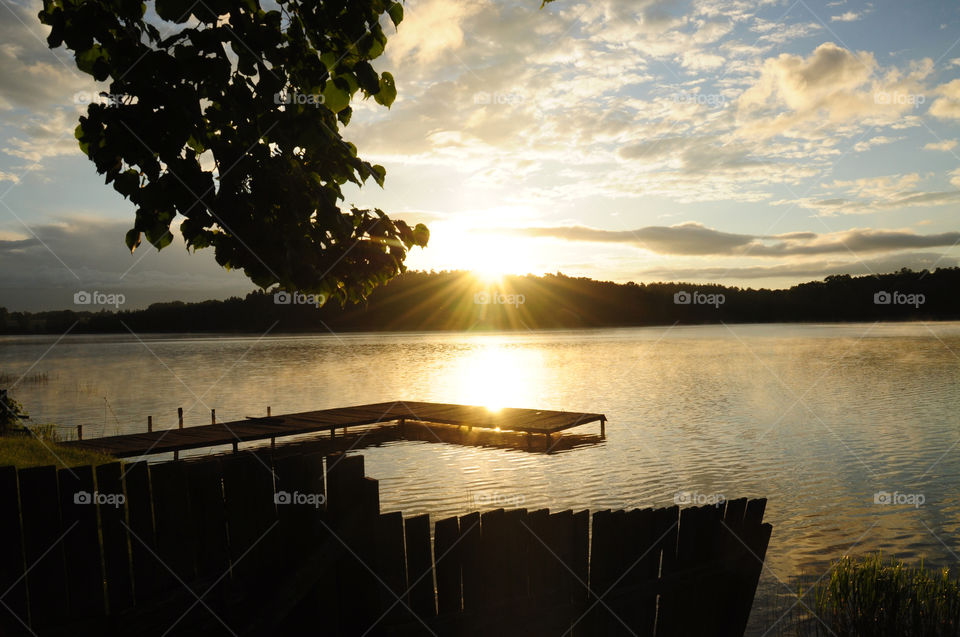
[{"x": 11, "y": 413}]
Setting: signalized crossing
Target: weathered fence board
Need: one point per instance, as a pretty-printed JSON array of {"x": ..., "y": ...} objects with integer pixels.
[
  {"x": 171, "y": 513},
  {"x": 14, "y": 612},
  {"x": 420, "y": 566},
  {"x": 143, "y": 544},
  {"x": 78, "y": 512},
  {"x": 43, "y": 547},
  {"x": 116, "y": 547},
  {"x": 446, "y": 558}
]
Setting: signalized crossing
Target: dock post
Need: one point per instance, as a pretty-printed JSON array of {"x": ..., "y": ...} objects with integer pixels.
[
  {"x": 603, "y": 428},
  {"x": 180, "y": 417},
  {"x": 273, "y": 441},
  {"x": 333, "y": 432},
  {"x": 149, "y": 424},
  {"x": 79, "y": 432},
  {"x": 403, "y": 421},
  {"x": 213, "y": 416},
  {"x": 235, "y": 447}
]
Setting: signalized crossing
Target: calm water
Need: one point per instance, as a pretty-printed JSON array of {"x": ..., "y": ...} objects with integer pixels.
[{"x": 817, "y": 418}]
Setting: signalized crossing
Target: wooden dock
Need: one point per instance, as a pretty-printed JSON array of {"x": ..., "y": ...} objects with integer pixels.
[{"x": 531, "y": 421}]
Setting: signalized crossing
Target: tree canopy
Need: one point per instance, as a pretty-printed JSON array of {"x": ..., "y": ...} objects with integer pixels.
[{"x": 230, "y": 115}]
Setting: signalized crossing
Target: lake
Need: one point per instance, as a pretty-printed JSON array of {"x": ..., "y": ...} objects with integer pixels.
[{"x": 816, "y": 418}]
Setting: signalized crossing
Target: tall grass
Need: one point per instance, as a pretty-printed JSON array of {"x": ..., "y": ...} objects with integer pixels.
[{"x": 868, "y": 597}]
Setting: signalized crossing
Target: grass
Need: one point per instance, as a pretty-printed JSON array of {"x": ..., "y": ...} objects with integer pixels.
[
  {"x": 40, "y": 450},
  {"x": 867, "y": 597}
]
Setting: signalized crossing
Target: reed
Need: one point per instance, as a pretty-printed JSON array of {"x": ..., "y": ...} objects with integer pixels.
[
  {"x": 38, "y": 378},
  {"x": 868, "y": 597}
]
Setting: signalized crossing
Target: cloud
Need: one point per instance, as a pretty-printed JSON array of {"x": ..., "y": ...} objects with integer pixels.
[
  {"x": 872, "y": 194},
  {"x": 947, "y": 105},
  {"x": 831, "y": 88},
  {"x": 45, "y": 136},
  {"x": 37, "y": 88},
  {"x": 430, "y": 30},
  {"x": 849, "y": 16},
  {"x": 694, "y": 239},
  {"x": 31, "y": 75},
  {"x": 944, "y": 145}
]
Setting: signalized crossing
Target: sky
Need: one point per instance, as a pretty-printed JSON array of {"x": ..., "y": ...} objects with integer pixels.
[{"x": 755, "y": 143}]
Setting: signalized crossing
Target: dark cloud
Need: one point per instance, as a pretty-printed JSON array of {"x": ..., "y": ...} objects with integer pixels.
[
  {"x": 17, "y": 244},
  {"x": 694, "y": 239},
  {"x": 45, "y": 269},
  {"x": 801, "y": 271}
]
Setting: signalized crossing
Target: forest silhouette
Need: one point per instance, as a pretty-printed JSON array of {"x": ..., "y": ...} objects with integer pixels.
[{"x": 459, "y": 301}]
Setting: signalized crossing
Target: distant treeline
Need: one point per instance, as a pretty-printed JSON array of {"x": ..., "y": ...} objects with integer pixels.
[{"x": 458, "y": 301}]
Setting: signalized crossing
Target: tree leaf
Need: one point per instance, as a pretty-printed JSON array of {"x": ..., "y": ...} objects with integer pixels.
[
  {"x": 174, "y": 10},
  {"x": 388, "y": 90},
  {"x": 133, "y": 239},
  {"x": 396, "y": 13},
  {"x": 334, "y": 97}
]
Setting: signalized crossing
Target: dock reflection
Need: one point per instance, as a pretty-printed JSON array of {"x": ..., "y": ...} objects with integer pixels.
[{"x": 364, "y": 437}]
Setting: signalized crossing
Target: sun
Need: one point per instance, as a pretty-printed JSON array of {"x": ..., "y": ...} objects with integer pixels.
[
  {"x": 499, "y": 259},
  {"x": 488, "y": 276}
]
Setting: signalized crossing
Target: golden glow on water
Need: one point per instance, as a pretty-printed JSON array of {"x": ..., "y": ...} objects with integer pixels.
[{"x": 496, "y": 375}]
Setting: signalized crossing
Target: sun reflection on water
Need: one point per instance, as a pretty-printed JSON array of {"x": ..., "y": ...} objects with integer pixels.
[{"x": 496, "y": 374}]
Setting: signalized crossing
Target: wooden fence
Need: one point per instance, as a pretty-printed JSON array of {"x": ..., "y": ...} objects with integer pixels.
[{"x": 255, "y": 545}]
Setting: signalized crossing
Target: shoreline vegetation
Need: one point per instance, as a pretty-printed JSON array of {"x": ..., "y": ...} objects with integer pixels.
[
  {"x": 450, "y": 301},
  {"x": 872, "y": 596},
  {"x": 24, "y": 446},
  {"x": 39, "y": 448}
]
